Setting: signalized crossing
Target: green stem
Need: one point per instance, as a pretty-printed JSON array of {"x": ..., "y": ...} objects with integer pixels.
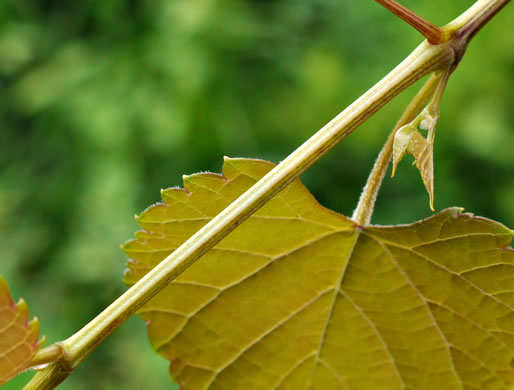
[{"x": 364, "y": 210}]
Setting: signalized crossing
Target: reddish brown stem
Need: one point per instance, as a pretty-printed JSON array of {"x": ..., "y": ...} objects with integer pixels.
[{"x": 431, "y": 32}]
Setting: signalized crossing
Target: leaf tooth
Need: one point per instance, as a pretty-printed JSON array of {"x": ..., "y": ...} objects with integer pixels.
[
  {"x": 254, "y": 168},
  {"x": 229, "y": 168},
  {"x": 33, "y": 330},
  {"x": 189, "y": 184},
  {"x": 174, "y": 194},
  {"x": 146, "y": 234},
  {"x": 154, "y": 213},
  {"x": 208, "y": 180},
  {"x": 126, "y": 246},
  {"x": 22, "y": 307}
]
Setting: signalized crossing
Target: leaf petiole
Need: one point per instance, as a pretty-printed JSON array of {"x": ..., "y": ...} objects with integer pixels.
[{"x": 46, "y": 356}]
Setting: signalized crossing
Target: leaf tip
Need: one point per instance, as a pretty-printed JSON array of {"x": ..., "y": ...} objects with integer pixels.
[
  {"x": 228, "y": 161},
  {"x": 393, "y": 172},
  {"x": 42, "y": 340},
  {"x": 33, "y": 327}
]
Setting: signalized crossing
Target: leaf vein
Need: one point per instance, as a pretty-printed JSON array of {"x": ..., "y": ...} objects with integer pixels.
[
  {"x": 269, "y": 331},
  {"x": 427, "y": 306},
  {"x": 334, "y": 372},
  {"x": 332, "y": 306},
  {"x": 378, "y": 334}
]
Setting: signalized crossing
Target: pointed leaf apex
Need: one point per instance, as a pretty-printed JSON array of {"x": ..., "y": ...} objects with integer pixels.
[
  {"x": 21, "y": 305},
  {"x": 393, "y": 172}
]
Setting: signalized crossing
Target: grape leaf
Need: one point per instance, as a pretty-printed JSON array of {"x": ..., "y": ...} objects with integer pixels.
[
  {"x": 300, "y": 297},
  {"x": 18, "y": 336}
]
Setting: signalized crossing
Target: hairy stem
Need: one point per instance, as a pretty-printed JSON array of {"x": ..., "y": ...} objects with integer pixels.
[
  {"x": 364, "y": 210},
  {"x": 423, "y": 60}
]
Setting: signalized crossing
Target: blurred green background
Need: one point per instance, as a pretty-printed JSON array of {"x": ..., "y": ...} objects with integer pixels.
[{"x": 103, "y": 103}]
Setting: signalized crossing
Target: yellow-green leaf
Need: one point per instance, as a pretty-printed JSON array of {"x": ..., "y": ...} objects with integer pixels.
[
  {"x": 18, "y": 336},
  {"x": 300, "y": 297}
]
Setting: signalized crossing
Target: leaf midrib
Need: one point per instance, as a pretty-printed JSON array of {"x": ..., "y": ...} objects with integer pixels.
[{"x": 332, "y": 305}]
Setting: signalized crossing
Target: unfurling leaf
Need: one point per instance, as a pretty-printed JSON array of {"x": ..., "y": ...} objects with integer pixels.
[
  {"x": 402, "y": 140},
  {"x": 18, "y": 336},
  {"x": 409, "y": 140},
  {"x": 423, "y": 152},
  {"x": 300, "y": 297}
]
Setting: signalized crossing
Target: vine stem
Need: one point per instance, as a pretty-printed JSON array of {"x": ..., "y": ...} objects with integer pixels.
[{"x": 425, "y": 59}]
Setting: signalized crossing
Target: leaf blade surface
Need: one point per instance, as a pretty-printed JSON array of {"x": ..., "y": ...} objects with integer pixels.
[{"x": 300, "y": 297}]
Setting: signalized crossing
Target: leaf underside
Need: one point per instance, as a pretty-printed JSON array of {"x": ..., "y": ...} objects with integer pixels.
[
  {"x": 299, "y": 297},
  {"x": 18, "y": 336}
]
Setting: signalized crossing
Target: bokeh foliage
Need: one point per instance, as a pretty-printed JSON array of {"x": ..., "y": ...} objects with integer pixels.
[{"x": 104, "y": 103}]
